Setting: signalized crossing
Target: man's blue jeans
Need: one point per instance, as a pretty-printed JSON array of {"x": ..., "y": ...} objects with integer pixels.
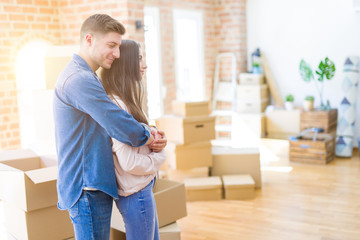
[
  {"x": 91, "y": 216},
  {"x": 139, "y": 213}
]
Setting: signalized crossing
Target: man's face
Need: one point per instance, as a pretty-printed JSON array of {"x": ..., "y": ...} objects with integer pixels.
[{"x": 105, "y": 49}]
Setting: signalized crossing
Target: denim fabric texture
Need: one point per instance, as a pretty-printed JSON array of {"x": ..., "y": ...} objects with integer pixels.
[
  {"x": 139, "y": 214},
  {"x": 85, "y": 121},
  {"x": 91, "y": 216}
]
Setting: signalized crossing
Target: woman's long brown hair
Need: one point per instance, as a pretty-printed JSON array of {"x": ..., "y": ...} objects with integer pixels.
[{"x": 123, "y": 79}]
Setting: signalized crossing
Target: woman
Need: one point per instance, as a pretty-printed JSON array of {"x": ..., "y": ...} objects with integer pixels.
[{"x": 135, "y": 167}]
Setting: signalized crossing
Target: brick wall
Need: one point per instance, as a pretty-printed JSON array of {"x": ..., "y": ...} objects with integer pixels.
[
  {"x": 224, "y": 31},
  {"x": 59, "y": 21},
  {"x": 20, "y": 22}
]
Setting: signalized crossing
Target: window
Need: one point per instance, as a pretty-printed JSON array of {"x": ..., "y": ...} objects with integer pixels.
[{"x": 189, "y": 57}]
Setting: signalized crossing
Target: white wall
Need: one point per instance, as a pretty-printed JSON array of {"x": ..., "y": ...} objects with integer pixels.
[{"x": 289, "y": 30}]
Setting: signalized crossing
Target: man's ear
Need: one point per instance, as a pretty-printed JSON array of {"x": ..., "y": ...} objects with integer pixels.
[{"x": 89, "y": 39}]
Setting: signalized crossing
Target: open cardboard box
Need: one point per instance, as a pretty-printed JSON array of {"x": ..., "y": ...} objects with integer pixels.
[
  {"x": 27, "y": 180},
  {"x": 168, "y": 232}
]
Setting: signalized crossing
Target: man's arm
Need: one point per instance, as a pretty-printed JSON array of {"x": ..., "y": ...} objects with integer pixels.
[{"x": 86, "y": 94}]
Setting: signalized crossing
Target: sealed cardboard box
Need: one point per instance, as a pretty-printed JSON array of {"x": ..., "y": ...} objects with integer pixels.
[
  {"x": 238, "y": 187},
  {"x": 181, "y": 175},
  {"x": 185, "y": 130},
  {"x": 41, "y": 224},
  {"x": 252, "y": 106},
  {"x": 187, "y": 156},
  {"x": 28, "y": 181},
  {"x": 191, "y": 109},
  {"x": 170, "y": 201},
  {"x": 203, "y": 189},
  {"x": 233, "y": 160},
  {"x": 251, "y": 78},
  {"x": 252, "y": 92},
  {"x": 281, "y": 123},
  {"x": 168, "y": 232}
]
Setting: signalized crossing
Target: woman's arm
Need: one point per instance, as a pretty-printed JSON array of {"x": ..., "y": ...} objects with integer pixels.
[{"x": 133, "y": 162}]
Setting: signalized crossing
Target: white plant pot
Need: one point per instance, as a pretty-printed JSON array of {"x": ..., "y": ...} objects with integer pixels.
[
  {"x": 308, "y": 105},
  {"x": 289, "y": 106}
]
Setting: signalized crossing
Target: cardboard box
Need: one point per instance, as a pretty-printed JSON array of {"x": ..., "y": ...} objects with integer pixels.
[
  {"x": 251, "y": 78},
  {"x": 281, "y": 123},
  {"x": 252, "y": 92},
  {"x": 187, "y": 130},
  {"x": 170, "y": 201},
  {"x": 252, "y": 106},
  {"x": 187, "y": 156},
  {"x": 203, "y": 189},
  {"x": 238, "y": 187},
  {"x": 168, "y": 232},
  {"x": 41, "y": 224},
  {"x": 27, "y": 180},
  {"x": 181, "y": 175},
  {"x": 231, "y": 160},
  {"x": 191, "y": 109}
]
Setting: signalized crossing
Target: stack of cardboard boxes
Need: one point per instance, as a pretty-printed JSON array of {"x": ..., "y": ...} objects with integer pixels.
[
  {"x": 191, "y": 154},
  {"x": 189, "y": 132},
  {"x": 252, "y": 99},
  {"x": 28, "y": 189}
]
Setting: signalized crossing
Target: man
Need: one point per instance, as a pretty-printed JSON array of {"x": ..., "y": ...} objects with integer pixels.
[{"x": 85, "y": 121}]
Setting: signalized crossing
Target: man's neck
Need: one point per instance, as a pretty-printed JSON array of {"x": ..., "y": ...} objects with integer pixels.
[{"x": 83, "y": 54}]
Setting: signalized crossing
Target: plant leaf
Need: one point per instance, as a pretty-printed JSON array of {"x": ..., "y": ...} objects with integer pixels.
[{"x": 305, "y": 71}]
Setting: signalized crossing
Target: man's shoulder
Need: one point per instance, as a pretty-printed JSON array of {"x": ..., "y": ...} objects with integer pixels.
[{"x": 73, "y": 74}]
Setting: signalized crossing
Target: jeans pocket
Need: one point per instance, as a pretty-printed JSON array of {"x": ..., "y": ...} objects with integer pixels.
[{"x": 123, "y": 204}]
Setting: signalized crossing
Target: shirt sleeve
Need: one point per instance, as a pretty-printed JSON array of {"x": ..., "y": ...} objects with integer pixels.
[
  {"x": 136, "y": 163},
  {"x": 85, "y": 93},
  {"x": 130, "y": 158}
]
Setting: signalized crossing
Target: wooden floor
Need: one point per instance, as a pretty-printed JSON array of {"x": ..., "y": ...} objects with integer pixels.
[{"x": 296, "y": 201}]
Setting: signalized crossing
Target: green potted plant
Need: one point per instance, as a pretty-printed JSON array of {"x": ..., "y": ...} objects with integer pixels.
[
  {"x": 309, "y": 103},
  {"x": 289, "y": 102},
  {"x": 326, "y": 70}
]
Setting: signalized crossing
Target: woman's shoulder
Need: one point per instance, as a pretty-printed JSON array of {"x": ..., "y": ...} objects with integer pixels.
[{"x": 117, "y": 100}]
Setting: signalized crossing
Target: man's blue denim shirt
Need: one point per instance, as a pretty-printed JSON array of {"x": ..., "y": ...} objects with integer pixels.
[{"x": 85, "y": 121}]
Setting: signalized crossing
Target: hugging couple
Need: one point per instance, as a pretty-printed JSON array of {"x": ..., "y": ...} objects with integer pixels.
[{"x": 106, "y": 149}]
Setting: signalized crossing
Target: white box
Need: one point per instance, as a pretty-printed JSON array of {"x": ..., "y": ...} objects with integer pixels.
[
  {"x": 251, "y": 78},
  {"x": 252, "y": 106},
  {"x": 252, "y": 92}
]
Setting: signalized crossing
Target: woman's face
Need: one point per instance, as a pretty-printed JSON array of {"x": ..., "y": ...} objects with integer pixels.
[{"x": 143, "y": 65}]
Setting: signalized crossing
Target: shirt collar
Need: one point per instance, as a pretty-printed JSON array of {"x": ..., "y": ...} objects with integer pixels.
[{"x": 81, "y": 62}]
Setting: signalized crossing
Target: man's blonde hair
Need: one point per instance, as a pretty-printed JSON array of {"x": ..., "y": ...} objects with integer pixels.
[{"x": 101, "y": 24}]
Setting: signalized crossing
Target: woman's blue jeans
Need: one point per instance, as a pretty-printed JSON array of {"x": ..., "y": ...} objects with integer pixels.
[
  {"x": 139, "y": 213},
  {"x": 91, "y": 216}
]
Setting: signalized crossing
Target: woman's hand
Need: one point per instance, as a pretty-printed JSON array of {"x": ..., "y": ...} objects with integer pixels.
[{"x": 160, "y": 140}]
